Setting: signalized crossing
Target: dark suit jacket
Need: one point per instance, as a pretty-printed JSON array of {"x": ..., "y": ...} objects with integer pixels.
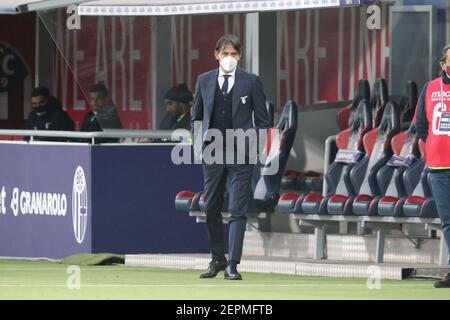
[{"x": 248, "y": 107}]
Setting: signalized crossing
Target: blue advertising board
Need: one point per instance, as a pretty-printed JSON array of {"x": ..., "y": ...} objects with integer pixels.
[
  {"x": 137, "y": 185},
  {"x": 37, "y": 183},
  {"x": 61, "y": 199}
]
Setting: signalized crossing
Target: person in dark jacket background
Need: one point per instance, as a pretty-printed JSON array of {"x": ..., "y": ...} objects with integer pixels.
[
  {"x": 103, "y": 114},
  {"x": 47, "y": 114},
  {"x": 178, "y": 101}
]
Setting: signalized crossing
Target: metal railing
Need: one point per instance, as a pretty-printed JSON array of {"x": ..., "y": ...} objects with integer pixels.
[{"x": 169, "y": 135}]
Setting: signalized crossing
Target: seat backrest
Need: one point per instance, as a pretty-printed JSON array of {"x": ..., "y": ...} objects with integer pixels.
[
  {"x": 349, "y": 139},
  {"x": 408, "y": 102},
  {"x": 402, "y": 164},
  {"x": 271, "y": 111},
  {"x": 380, "y": 97},
  {"x": 377, "y": 144},
  {"x": 422, "y": 188},
  {"x": 362, "y": 93},
  {"x": 266, "y": 184},
  {"x": 344, "y": 117}
]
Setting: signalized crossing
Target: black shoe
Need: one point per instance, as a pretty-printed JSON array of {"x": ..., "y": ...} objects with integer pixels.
[
  {"x": 231, "y": 273},
  {"x": 214, "y": 268},
  {"x": 444, "y": 283}
]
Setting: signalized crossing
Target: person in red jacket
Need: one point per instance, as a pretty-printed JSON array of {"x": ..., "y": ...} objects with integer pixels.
[{"x": 433, "y": 126}]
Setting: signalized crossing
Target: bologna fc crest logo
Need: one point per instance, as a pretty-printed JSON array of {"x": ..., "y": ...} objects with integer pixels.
[
  {"x": 12, "y": 70},
  {"x": 79, "y": 204}
]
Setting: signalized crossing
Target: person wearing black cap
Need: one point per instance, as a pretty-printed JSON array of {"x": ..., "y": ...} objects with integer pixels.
[{"x": 178, "y": 101}]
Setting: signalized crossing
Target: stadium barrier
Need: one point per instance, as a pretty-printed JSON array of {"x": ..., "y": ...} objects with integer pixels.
[{"x": 59, "y": 199}]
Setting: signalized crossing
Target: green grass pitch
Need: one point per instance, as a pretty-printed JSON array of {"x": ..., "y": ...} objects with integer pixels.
[{"x": 49, "y": 280}]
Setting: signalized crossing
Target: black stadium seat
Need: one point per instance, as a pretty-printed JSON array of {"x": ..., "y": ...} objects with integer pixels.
[
  {"x": 271, "y": 111},
  {"x": 420, "y": 203},
  {"x": 377, "y": 144},
  {"x": 405, "y": 165},
  {"x": 266, "y": 188},
  {"x": 311, "y": 180},
  {"x": 306, "y": 180},
  {"x": 185, "y": 199},
  {"x": 188, "y": 200},
  {"x": 349, "y": 141},
  {"x": 344, "y": 116},
  {"x": 380, "y": 97},
  {"x": 408, "y": 103}
]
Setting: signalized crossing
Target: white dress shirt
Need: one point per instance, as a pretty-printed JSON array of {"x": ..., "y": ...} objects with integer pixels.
[{"x": 231, "y": 78}]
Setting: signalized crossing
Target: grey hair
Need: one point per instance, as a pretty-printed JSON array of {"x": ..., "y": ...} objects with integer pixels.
[{"x": 444, "y": 53}]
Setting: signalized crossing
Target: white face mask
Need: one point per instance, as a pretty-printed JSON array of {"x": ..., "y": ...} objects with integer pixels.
[{"x": 228, "y": 63}]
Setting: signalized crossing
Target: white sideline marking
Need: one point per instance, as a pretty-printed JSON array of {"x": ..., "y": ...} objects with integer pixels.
[
  {"x": 63, "y": 268},
  {"x": 216, "y": 285}
]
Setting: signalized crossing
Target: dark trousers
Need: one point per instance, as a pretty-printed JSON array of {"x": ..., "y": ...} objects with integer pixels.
[
  {"x": 236, "y": 178},
  {"x": 440, "y": 185}
]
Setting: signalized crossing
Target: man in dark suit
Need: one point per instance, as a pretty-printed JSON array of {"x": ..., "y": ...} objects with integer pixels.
[{"x": 227, "y": 98}]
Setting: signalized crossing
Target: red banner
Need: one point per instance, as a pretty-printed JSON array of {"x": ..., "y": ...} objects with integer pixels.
[
  {"x": 117, "y": 52},
  {"x": 323, "y": 53},
  {"x": 194, "y": 40},
  {"x": 17, "y": 65},
  {"x": 110, "y": 50}
]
